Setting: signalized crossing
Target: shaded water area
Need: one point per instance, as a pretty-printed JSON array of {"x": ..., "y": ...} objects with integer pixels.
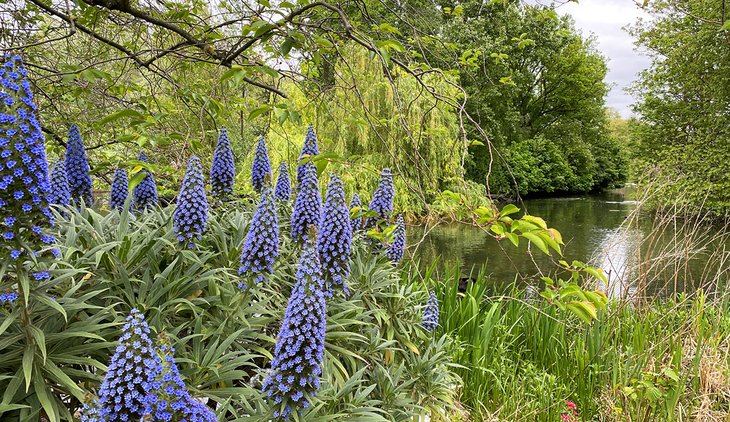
[{"x": 652, "y": 255}]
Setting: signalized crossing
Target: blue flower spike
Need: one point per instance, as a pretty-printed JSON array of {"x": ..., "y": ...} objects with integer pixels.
[
  {"x": 307, "y": 207},
  {"x": 261, "y": 247},
  {"x": 60, "y": 194},
  {"x": 24, "y": 182},
  {"x": 335, "y": 240},
  {"x": 222, "y": 171},
  {"x": 168, "y": 398},
  {"x": 77, "y": 169},
  {"x": 398, "y": 246},
  {"x": 382, "y": 201},
  {"x": 309, "y": 149},
  {"x": 431, "y": 313},
  {"x": 145, "y": 193},
  {"x": 261, "y": 166},
  {"x": 190, "y": 218},
  {"x": 282, "y": 192},
  {"x": 123, "y": 391},
  {"x": 297, "y": 364},
  {"x": 120, "y": 190}
]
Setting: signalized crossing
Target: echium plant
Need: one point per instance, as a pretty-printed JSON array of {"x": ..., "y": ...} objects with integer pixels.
[
  {"x": 309, "y": 149},
  {"x": 335, "y": 240},
  {"x": 120, "y": 190},
  {"x": 168, "y": 398},
  {"x": 77, "y": 168},
  {"x": 398, "y": 245},
  {"x": 261, "y": 166},
  {"x": 24, "y": 186},
  {"x": 261, "y": 247},
  {"x": 355, "y": 222},
  {"x": 297, "y": 363},
  {"x": 308, "y": 205},
  {"x": 382, "y": 201},
  {"x": 222, "y": 171},
  {"x": 431, "y": 313},
  {"x": 145, "y": 193},
  {"x": 282, "y": 191},
  {"x": 191, "y": 215},
  {"x": 123, "y": 391},
  {"x": 59, "y": 193}
]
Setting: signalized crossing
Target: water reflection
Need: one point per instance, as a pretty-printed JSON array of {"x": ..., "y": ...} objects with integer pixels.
[{"x": 595, "y": 230}]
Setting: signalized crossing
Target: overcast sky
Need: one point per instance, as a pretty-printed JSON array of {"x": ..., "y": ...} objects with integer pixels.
[{"x": 605, "y": 19}]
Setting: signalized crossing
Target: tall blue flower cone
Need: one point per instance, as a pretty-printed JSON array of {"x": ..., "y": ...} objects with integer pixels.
[
  {"x": 431, "y": 313},
  {"x": 190, "y": 218},
  {"x": 335, "y": 240},
  {"x": 307, "y": 207},
  {"x": 24, "y": 185},
  {"x": 145, "y": 193},
  {"x": 261, "y": 247},
  {"x": 59, "y": 194},
  {"x": 222, "y": 171},
  {"x": 282, "y": 192},
  {"x": 261, "y": 166},
  {"x": 382, "y": 201},
  {"x": 123, "y": 391},
  {"x": 168, "y": 398},
  {"x": 355, "y": 222},
  {"x": 120, "y": 190},
  {"x": 77, "y": 168},
  {"x": 398, "y": 246},
  {"x": 297, "y": 364},
  {"x": 309, "y": 149}
]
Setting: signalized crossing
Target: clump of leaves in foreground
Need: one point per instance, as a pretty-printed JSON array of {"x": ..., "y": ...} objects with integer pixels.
[{"x": 378, "y": 365}]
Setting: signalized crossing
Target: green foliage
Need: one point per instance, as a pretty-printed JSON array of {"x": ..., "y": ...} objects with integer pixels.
[
  {"x": 379, "y": 364},
  {"x": 684, "y": 103},
  {"x": 521, "y": 358},
  {"x": 546, "y": 115}
]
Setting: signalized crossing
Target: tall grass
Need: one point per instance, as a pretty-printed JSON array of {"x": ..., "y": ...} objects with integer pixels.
[{"x": 522, "y": 359}]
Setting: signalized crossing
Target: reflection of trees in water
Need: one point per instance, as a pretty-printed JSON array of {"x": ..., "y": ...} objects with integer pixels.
[{"x": 653, "y": 256}]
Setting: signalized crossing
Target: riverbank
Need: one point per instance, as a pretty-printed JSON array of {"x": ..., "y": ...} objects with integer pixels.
[{"x": 522, "y": 359}]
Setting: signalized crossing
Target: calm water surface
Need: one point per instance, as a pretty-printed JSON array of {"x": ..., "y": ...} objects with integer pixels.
[{"x": 594, "y": 229}]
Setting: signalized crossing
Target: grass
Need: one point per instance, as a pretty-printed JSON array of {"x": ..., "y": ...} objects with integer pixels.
[{"x": 522, "y": 359}]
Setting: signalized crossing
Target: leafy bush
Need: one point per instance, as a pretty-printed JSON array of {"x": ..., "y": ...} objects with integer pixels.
[{"x": 379, "y": 364}]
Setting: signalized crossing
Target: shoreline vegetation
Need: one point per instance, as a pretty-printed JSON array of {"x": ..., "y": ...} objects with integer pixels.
[{"x": 203, "y": 212}]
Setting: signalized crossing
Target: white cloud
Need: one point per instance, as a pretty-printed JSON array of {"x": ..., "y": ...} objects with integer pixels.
[{"x": 606, "y": 20}]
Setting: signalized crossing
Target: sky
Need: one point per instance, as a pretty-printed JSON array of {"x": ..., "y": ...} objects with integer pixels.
[{"x": 606, "y": 19}]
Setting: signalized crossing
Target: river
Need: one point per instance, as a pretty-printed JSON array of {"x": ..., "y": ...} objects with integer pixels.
[{"x": 637, "y": 253}]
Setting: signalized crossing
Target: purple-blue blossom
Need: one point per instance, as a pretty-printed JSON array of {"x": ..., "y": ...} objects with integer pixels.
[
  {"x": 261, "y": 166},
  {"x": 191, "y": 214},
  {"x": 145, "y": 193},
  {"x": 90, "y": 413},
  {"x": 77, "y": 169},
  {"x": 168, "y": 398},
  {"x": 398, "y": 245},
  {"x": 297, "y": 364},
  {"x": 261, "y": 247},
  {"x": 355, "y": 222},
  {"x": 382, "y": 201},
  {"x": 8, "y": 297},
  {"x": 24, "y": 183},
  {"x": 310, "y": 148},
  {"x": 307, "y": 207},
  {"x": 123, "y": 391},
  {"x": 59, "y": 194},
  {"x": 334, "y": 243},
  {"x": 431, "y": 313},
  {"x": 282, "y": 192},
  {"x": 120, "y": 190},
  {"x": 222, "y": 171}
]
